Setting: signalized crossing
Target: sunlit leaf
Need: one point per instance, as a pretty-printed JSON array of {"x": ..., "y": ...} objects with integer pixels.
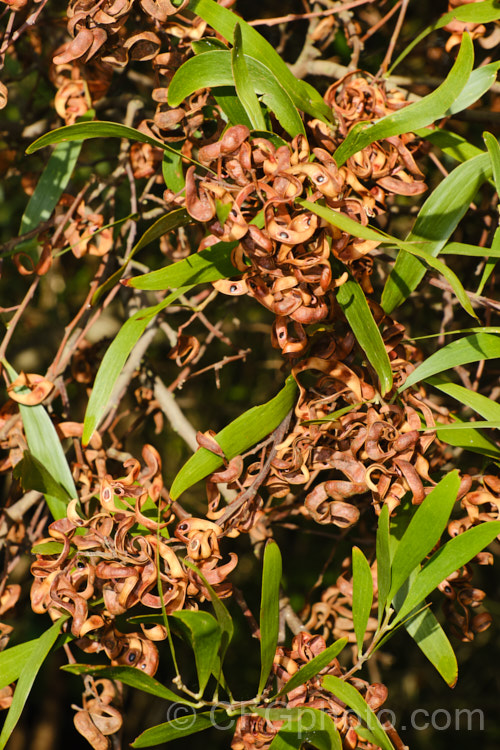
[
  {"x": 129, "y": 676},
  {"x": 424, "y": 529},
  {"x": 96, "y": 129},
  {"x": 437, "y": 220},
  {"x": 362, "y": 594},
  {"x": 245, "y": 431},
  {"x": 483, "y": 405},
  {"x": 204, "y": 635},
  {"x": 213, "y": 69},
  {"x": 269, "y": 610},
  {"x": 186, "y": 723},
  {"x": 450, "y": 557},
  {"x": 171, "y": 167},
  {"x": 416, "y": 115},
  {"x": 45, "y": 446},
  {"x": 352, "y": 300},
  {"x": 302, "y": 725},
  {"x": 114, "y": 360},
  {"x": 383, "y": 560},
  {"x": 207, "y": 265},
  {"x": 304, "y": 96},
  {"x": 468, "y": 349},
  {"x": 416, "y": 248},
  {"x": 480, "y": 81},
  {"x": 433, "y": 642},
  {"x": 350, "y": 696},
  {"x": 33, "y": 661},
  {"x": 460, "y": 248},
  {"x": 244, "y": 84}
]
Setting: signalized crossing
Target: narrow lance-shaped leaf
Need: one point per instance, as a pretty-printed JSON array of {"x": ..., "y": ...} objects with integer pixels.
[
  {"x": 448, "y": 558},
  {"x": 383, "y": 560},
  {"x": 223, "y": 617},
  {"x": 414, "y": 248},
  {"x": 416, "y": 115},
  {"x": 32, "y": 665},
  {"x": 269, "y": 610},
  {"x": 186, "y": 722},
  {"x": 424, "y": 530},
  {"x": 129, "y": 676},
  {"x": 352, "y": 300},
  {"x": 204, "y": 634},
  {"x": 433, "y": 642},
  {"x": 302, "y": 725},
  {"x": 349, "y": 695},
  {"x": 114, "y": 361},
  {"x": 313, "y": 667},
  {"x": 437, "y": 220},
  {"x": 246, "y": 430},
  {"x": 44, "y": 444},
  {"x": 483, "y": 405},
  {"x": 469, "y": 439},
  {"x": 480, "y": 81},
  {"x": 362, "y": 594},
  {"x": 208, "y": 265},
  {"x": 462, "y": 248},
  {"x": 304, "y": 96},
  {"x": 468, "y": 349},
  {"x": 213, "y": 69},
  {"x": 96, "y": 129},
  {"x": 243, "y": 83}
]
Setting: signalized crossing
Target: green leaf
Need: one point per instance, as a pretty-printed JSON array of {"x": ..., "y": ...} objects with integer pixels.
[
  {"x": 424, "y": 530},
  {"x": 480, "y": 81},
  {"x": 50, "y": 187},
  {"x": 213, "y": 69},
  {"x": 313, "y": 667},
  {"x": 171, "y": 166},
  {"x": 184, "y": 725},
  {"x": 114, "y": 361},
  {"x": 302, "y": 725},
  {"x": 468, "y": 349},
  {"x": 460, "y": 248},
  {"x": 223, "y": 617},
  {"x": 484, "y": 406},
  {"x": 416, "y": 115},
  {"x": 469, "y": 439},
  {"x": 13, "y": 660},
  {"x": 129, "y": 676},
  {"x": 45, "y": 446},
  {"x": 34, "y": 475},
  {"x": 269, "y": 610},
  {"x": 304, "y": 96},
  {"x": 96, "y": 129},
  {"x": 368, "y": 233},
  {"x": 204, "y": 634},
  {"x": 207, "y": 265},
  {"x": 450, "y": 143},
  {"x": 352, "y": 300},
  {"x": 433, "y": 642},
  {"x": 482, "y": 12},
  {"x": 494, "y": 154},
  {"x": 243, "y": 83},
  {"x": 349, "y": 695},
  {"x": 437, "y": 220},
  {"x": 486, "y": 424},
  {"x": 362, "y": 595},
  {"x": 33, "y": 661},
  {"x": 246, "y": 430},
  {"x": 383, "y": 560},
  {"x": 448, "y": 558}
]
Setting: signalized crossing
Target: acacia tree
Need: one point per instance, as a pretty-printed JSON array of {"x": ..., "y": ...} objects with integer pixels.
[{"x": 312, "y": 207}]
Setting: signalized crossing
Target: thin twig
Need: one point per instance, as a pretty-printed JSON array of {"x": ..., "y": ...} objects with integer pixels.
[{"x": 304, "y": 16}]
